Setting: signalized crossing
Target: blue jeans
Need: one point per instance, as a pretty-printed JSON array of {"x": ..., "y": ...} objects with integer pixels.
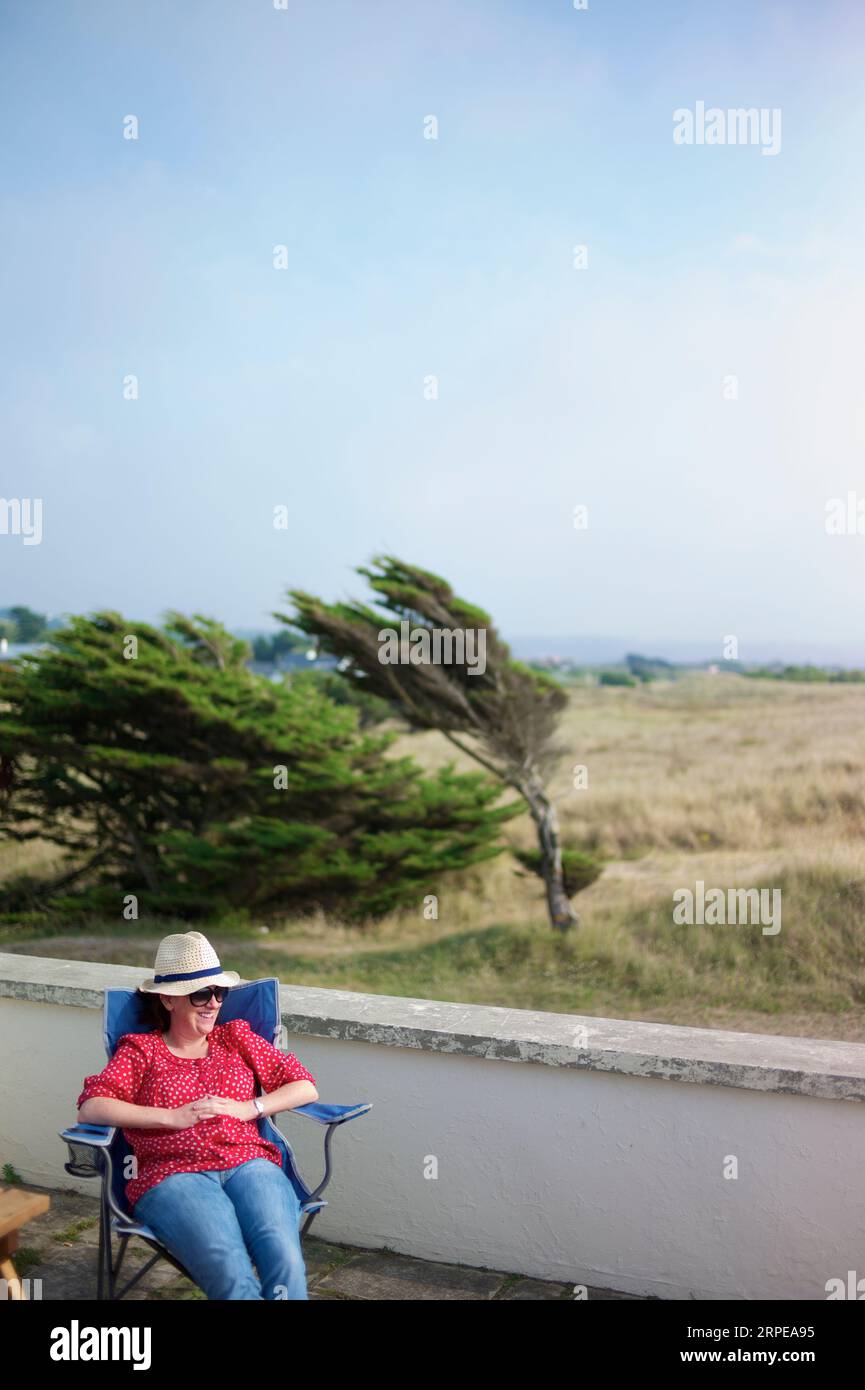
[{"x": 218, "y": 1222}]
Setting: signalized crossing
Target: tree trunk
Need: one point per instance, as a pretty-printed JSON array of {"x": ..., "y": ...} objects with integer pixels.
[
  {"x": 562, "y": 914},
  {"x": 543, "y": 813}
]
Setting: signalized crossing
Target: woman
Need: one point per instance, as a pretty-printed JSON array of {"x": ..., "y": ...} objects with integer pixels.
[{"x": 206, "y": 1183}]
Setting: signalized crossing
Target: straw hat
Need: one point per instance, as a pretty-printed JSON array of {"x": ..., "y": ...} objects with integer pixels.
[{"x": 185, "y": 962}]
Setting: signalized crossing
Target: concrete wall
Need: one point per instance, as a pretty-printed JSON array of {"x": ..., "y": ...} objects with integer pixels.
[{"x": 582, "y": 1149}]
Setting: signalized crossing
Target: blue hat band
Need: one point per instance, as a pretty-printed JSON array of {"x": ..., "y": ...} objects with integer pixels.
[{"x": 189, "y": 975}]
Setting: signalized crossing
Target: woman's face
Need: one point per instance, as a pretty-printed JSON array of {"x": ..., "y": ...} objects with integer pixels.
[{"x": 188, "y": 1019}]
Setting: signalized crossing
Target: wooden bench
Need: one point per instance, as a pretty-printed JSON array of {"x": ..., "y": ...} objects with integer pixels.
[{"x": 17, "y": 1207}]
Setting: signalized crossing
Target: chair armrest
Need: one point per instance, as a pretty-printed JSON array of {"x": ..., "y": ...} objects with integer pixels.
[
  {"x": 85, "y": 1142},
  {"x": 330, "y": 1114},
  {"x": 97, "y": 1136}
]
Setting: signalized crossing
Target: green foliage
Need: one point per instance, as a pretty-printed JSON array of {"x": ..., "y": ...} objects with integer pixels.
[
  {"x": 280, "y": 644},
  {"x": 579, "y": 868},
  {"x": 806, "y": 674},
  {"x": 177, "y": 775},
  {"x": 648, "y": 668},
  {"x": 22, "y": 624},
  {"x": 616, "y": 678},
  {"x": 371, "y": 710},
  {"x": 511, "y": 709}
]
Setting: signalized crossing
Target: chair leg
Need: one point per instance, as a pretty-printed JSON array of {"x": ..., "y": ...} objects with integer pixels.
[
  {"x": 328, "y": 1135},
  {"x": 124, "y": 1241},
  {"x": 307, "y": 1223},
  {"x": 106, "y": 1273}
]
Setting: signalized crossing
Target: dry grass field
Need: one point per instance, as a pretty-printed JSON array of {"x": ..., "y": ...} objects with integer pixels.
[{"x": 739, "y": 783}]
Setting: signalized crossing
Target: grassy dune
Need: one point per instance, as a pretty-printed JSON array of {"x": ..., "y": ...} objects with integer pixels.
[{"x": 739, "y": 783}]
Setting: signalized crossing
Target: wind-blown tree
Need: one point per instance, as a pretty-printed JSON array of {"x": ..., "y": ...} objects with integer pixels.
[
  {"x": 504, "y": 717},
  {"x": 167, "y": 770}
]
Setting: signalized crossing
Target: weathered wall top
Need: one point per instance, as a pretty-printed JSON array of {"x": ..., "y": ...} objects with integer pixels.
[{"x": 705, "y": 1056}]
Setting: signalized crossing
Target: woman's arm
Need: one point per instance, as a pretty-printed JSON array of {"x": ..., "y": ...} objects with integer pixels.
[
  {"x": 107, "y": 1110},
  {"x": 284, "y": 1080},
  {"x": 288, "y": 1097}
]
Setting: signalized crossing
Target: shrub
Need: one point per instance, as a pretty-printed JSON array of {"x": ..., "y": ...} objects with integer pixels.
[{"x": 579, "y": 868}]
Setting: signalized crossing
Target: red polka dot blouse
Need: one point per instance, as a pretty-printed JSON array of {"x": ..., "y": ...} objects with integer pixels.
[{"x": 144, "y": 1071}]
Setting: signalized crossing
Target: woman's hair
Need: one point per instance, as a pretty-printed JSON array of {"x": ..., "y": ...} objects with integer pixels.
[{"x": 157, "y": 1012}]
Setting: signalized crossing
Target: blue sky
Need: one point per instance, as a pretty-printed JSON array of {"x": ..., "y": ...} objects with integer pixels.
[{"x": 454, "y": 257}]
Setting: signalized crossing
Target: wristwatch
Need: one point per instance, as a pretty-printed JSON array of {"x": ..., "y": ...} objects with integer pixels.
[{"x": 258, "y": 1105}]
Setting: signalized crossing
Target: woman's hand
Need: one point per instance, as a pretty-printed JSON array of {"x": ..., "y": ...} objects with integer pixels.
[{"x": 208, "y": 1107}]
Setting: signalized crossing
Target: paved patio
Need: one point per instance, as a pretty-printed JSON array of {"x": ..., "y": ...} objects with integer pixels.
[{"x": 59, "y": 1248}]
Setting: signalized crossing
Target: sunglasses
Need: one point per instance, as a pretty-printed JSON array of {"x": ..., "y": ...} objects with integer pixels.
[{"x": 202, "y": 996}]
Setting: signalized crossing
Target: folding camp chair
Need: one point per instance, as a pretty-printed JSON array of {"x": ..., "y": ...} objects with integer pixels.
[{"x": 101, "y": 1150}]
